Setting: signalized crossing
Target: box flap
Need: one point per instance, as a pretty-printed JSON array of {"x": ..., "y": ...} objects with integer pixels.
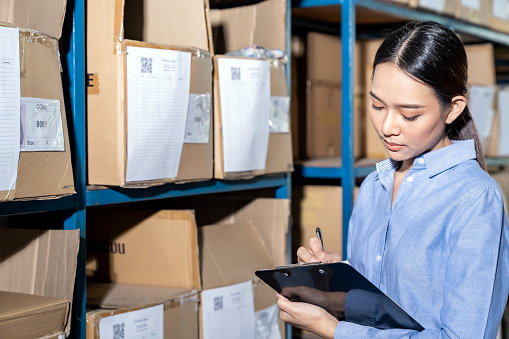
[
  {"x": 179, "y": 23},
  {"x": 30, "y": 316},
  {"x": 231, "y": 254},
  {"x": 123, "y": 295},
  {"x": 46, "y": 16},
  {"x": 153, "y": 248},
  {"x": 39, "y": 262},
  {"x": 262, "y": 24}
]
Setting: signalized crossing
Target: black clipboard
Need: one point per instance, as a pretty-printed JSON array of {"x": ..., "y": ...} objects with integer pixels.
[{"x": 339, "y": 277}]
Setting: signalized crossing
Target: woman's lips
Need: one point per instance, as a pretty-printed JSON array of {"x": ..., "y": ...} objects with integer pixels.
[{"x": 393, "y": 146}]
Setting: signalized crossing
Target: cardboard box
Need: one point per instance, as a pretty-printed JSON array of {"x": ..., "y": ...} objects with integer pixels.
[
  {"x": 374, "y": 147},
  {"x": 40, "y": 263},
  {"x": 234, "y": 29},
  {"x": 31, "y": 316},
  {"x": 481, "y": 64},
  {"x": 41, "y": 174},
  {"x": 175, "y": 309},
  {"x": 161, "y": 25},
  {"x": 139, "y": 247},
  {"x": 137, "y": 260},
  {"x": 279, "y": 150},
  {"x": 324, "y": 97},
  {"x": 46, "y": 17},
  {"x": 477, "y": 12},
  {"x": 447, "y": 7},
  {"x": 318, "y": 206},
  {"x": 499, "y": 15},
  {"x": 231, "y": 253}
]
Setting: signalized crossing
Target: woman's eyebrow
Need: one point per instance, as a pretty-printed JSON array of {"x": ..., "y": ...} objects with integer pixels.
[{"x": 410, "y": 106}]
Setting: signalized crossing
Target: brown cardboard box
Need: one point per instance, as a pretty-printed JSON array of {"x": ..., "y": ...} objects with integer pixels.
[
  {"x": 318, "y": 206},
  {"x": 499, "y": 15},
  {"x": 30, "y": 316},
  {"x": 43, "y": 174},
  {"x": 279, "y": 150},
  {"x": 324, "y": 97},
  {"x": 447, "y": 7},
  {"x": 40, "y": 263},
  {"x": 140, "y": 248},
  {"x": 161, "y": 25},
  {"x": 479, "y": 13},
  {"x": 231, "y": 253},
  {"x": 481, "y": 64},
  {"x": 262, "y": 24},
  {"x": 177, "y": 308},
  {"x": 374, "y": 147},
  {"x": 44, "y": 16},
  {"x": 143, "y": 259}
]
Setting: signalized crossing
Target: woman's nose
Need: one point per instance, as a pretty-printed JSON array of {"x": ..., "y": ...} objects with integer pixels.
[{"x": 390, "y": 125}]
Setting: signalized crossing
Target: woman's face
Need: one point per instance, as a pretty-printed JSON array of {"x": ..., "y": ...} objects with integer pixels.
[{"x": 406, "y": 114}]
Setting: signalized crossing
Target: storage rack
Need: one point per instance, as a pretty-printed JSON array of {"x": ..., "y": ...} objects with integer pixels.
[
  {"x": 74, "y": 206},
  {"x": 348, "y": 172}
]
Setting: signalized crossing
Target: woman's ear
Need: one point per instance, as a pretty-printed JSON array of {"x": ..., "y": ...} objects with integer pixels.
[{"x": 458, "y": 104}]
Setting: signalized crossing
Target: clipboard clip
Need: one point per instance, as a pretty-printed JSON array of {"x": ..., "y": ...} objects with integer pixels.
[{"x": 298, "y": 265}]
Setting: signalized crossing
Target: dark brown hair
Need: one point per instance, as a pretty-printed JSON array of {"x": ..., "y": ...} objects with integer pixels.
[{"x": 435, "y": 56}]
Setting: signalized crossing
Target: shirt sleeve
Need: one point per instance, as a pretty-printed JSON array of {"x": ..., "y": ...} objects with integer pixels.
[{"x": 476, "y": 271}]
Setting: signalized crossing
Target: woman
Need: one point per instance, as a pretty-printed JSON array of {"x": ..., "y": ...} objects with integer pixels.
[{"x": 428, "y": 227}]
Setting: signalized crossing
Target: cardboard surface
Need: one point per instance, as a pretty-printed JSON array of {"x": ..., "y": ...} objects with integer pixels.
[
  {"x": 46, "y": 16},
  {"x": 107, "y": 89},
  {"x": 472, "y": 11},
  {"x": 143, "y": 248},
  {"x": 481, "y": 64},
  {"x": 262, "y": 24},
  {"x": 40, "y": 263},
  {"x": 499, "y": 22},
  {"x": 43, "y": 175},
  {"x": 180, "y": 307},
  {"x": 31, "y": 316},
  {"x": 279, "y": 151},
  {"x": 447, "y": 7},
  {"x": 230, "y": 254}
]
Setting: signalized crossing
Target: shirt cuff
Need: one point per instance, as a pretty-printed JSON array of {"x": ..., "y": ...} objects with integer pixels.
[
  {"x": 346, "y": 329},
  {"x": 359, "y": 308}
]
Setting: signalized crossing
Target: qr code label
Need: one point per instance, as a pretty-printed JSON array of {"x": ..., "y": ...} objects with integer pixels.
[
  {"x": 146, "y": 65},
  {"x": 235, "y": 73},
  {"x": 119, "y": 331},
  {"x": 218, "y": 303}
]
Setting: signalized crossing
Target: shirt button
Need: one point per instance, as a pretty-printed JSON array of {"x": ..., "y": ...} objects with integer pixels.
[
  {"x": 410, "y": 179},
  {"x": 421, "y": 161},
  {"x": 378, "y": 258}
]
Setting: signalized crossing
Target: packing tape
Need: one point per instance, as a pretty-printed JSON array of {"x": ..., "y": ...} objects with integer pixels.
[{"x": 27, "y": 35}]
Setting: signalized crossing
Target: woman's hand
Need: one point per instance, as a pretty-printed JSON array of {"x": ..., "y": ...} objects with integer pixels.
[
  {"x": 332, "y": 302},
  {"x": 307, "y": 317},
  {"x": 314, "y": 253}
]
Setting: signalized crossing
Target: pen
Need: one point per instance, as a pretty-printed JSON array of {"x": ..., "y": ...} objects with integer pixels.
[{"x": 319, "y": 236}]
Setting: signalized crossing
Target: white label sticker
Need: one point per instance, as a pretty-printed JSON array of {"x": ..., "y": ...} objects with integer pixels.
[
  {"x": 142, "y": 324},
  {"x": 228, "y": 312},
  {"x": 198, "y": 119},
  {"x": 435, "y": 5},
  {"x": 41, "y": 125},
  {"x": 481, "y": 107},
  {"x": 500, "y": 9},
  {"x": 473, "y": 4},
  {"x": 279, "y": 121}
]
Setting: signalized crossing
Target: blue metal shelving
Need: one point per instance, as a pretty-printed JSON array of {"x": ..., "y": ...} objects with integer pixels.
[{"x": 347, "y": 172}]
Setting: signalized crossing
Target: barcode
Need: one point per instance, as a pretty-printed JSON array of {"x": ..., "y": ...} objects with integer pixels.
[
  {"x": 218, "y": 303},
  {"x": 146, "y": 65},
  {"x": 235, "y": 73},
  {"x": 118, "y": 331}
]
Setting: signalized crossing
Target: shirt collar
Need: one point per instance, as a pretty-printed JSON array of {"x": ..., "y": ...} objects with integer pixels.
[{"x": 439, "y": 160}]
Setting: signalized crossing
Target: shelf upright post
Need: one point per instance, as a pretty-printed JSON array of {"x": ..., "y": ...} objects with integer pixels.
[
  {"x": 75, "y": 71},
  {"x": 347, "y": 107}
]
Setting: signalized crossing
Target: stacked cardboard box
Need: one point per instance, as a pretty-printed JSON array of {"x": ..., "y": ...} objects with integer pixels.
[
  {"x": 38, "y": 270},
  {"x": 149, "y": 44},
  {"x": 244, "y": 145},
  {"x": 143, "y": 272},
  {"x": 44, "y": 170},
  {"x": 447, "y": 7}
]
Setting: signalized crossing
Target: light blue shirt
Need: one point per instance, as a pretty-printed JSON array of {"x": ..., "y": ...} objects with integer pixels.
[{"x": 441, "y": 252}]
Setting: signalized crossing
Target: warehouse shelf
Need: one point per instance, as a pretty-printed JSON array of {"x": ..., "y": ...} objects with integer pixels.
[
  {"x": 330, "y": 168},
  {"x": 104, "y": 196},
  {"x": 33, "y": 206}
]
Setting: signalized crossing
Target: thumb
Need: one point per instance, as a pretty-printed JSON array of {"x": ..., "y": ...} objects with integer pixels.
[{"x": 315, "y": 245}]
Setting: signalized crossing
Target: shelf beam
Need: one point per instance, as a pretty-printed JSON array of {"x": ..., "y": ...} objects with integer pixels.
[
  {"x": 34, "y": 206},
  {"x": 96, "y": 197}
]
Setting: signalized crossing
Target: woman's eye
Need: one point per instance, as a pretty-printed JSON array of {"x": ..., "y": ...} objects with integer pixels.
[
  {"x": 410, "y": 118},
  {"x": 376, "y": 108}
]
